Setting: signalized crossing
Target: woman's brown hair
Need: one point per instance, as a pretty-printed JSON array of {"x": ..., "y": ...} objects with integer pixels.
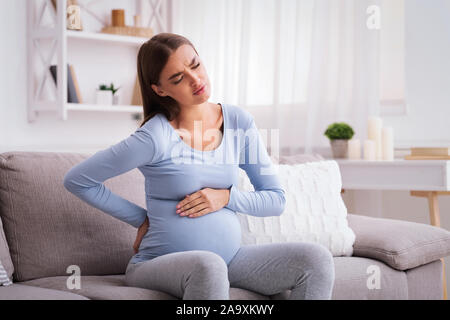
[{"x": 152, "y": 57}]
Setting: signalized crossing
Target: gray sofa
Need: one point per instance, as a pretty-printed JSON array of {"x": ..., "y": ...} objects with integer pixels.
[{"x": 44, "y": 229}]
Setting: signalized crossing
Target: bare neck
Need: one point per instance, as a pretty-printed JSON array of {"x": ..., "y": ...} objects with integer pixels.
[{"x": 189, "y": 114}]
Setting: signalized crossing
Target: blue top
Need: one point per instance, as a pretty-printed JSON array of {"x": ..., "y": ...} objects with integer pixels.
[{"x": 172, "y": 170}]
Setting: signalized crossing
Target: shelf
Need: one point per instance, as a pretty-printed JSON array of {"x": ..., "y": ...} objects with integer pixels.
[
  {"x": 398, "y": 174},
  {"x": 42, "y": 54},
  {"x": 105, "y": 108},
  {"x": 105, "y": 37}
]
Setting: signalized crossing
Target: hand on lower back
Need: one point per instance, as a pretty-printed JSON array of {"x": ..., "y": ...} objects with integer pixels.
[{"x": 142, "y": 230}]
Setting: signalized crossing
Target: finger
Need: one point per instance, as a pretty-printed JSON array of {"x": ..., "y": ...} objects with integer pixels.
[
  {"x": 188, "y": 199},
  {"x": 200, "y": 213},
  {"x": 190, "y": 205},
  {"x": 195, "y": 209},
  {"x": 141, "y": 233},
  {"x": 187, "y": 203}
]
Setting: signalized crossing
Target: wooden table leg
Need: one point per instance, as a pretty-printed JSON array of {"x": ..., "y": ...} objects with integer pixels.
[{"x": 435, "y": 220}]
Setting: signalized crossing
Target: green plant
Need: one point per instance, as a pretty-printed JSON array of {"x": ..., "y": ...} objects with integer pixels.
[
  {"x": 339, "y": 130},
  {"x": 111, "y": 87}
]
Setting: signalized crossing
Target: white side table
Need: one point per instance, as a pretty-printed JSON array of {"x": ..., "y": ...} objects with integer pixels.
[{"x": 423, "y": 178}]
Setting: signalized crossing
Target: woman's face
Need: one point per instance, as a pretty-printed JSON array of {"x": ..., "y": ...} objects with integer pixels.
[{"x": 183, "y": 75}]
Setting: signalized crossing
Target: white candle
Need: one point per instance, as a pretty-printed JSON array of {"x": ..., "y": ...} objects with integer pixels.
[
  {"x": 369, "y": 150},
  {"x": 374, "y": 133},
  {"x": 388, "y": 143},
  {"x": 354, "y": 149}
]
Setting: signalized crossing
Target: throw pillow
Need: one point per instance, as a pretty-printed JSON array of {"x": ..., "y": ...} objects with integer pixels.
[
  {"x": 314, "y": 211},
  {"x": 296, "y": 158},
  {"x": 4, "y": 279}
]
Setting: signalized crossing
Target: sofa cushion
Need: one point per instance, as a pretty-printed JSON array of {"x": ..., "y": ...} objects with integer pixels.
[
  {"x": 48, "y": 228},
  {"x": 351, "y": 277},
  {"x": 356, "y": 278},
  {"x": 113, "y": 288},
  {"x": 400, "y": 244},
  {"x": 18, "y": 291},
  {"x": 314, "y": 211}
]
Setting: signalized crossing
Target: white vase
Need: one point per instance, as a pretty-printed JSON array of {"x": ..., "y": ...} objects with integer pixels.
[
  {"x": 104, "y": 97},
  {"x": 115, "y": 99}
]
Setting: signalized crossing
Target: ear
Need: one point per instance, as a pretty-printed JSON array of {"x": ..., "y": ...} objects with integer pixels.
[{"x": 158, "y": 91}]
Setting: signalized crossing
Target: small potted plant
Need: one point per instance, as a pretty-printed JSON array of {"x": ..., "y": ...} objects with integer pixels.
[
  {"x": 106, "y": 95},
  {"x": 115, "y": 96},
  {"x": 339, "y": 133}
]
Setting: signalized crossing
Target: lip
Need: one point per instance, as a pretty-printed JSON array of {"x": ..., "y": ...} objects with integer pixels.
[{"x": 201, "y": 90}]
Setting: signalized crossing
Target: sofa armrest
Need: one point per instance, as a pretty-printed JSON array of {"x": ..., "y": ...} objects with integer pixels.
[
  {"x": 400, "y": 244},
  {"x": 5, "y": 257}
]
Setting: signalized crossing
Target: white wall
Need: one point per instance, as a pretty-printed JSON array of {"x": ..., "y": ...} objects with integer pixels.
[
  {"x": 427, "y": 48},
  {"x": 83, "y": 131},
  {"x": 428, "y": 121}
]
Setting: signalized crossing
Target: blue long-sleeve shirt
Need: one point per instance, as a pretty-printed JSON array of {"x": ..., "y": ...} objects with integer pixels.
[{"x": 172, "y": 170}]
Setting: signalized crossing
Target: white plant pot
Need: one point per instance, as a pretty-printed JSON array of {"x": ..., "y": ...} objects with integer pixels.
[
  {"x": 116, "y": 99},
  {"x": 104, "y": 97},
  {"x": 339, "y": 148}
]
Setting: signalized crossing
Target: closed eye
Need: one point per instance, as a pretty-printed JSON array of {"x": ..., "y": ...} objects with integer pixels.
[{"x": 194, "y": 67}]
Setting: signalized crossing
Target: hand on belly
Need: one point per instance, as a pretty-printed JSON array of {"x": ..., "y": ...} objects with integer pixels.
[{"x": 202, "y": 202}]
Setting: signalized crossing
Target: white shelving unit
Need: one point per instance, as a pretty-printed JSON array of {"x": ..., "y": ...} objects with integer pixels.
[
  {"x": 119, "y": 39},
  {"x": 59, "y": 36}
]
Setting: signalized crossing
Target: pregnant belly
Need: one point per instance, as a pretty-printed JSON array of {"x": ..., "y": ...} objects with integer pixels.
[{"x": 218, "y": 231}]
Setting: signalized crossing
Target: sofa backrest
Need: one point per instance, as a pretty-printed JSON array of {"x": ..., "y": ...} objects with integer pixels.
[{"x": 49, "y": 229}]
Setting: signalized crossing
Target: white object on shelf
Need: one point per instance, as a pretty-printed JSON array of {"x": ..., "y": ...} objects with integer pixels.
[
  {"x": 137, "y": 21},
  {"x": 374, "y": 133},
  {"x": 116, "y": 98},
  {"x": 354, "y": 149},
  {"x": 104, "y": 97},
  {"x": 369, "y": 150},
  {"x": 388, "y": 143}
]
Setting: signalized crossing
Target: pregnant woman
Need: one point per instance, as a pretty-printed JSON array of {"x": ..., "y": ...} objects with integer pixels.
[{"x": 190, "y": 151}]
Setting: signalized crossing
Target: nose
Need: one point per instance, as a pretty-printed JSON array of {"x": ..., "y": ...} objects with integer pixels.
[{"x": 195, "y": 78}]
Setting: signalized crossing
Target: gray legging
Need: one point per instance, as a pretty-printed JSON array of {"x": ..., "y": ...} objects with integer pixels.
[{"x": 307, "y": 269}]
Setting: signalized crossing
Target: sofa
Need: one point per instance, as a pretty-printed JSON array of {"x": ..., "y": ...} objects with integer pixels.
[{"x": 50, "y": 241}]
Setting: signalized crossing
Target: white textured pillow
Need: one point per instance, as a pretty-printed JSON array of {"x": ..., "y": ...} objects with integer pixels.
[
  {"x": 314, "y": 212},
  {"x": 4, "y": 279}
]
